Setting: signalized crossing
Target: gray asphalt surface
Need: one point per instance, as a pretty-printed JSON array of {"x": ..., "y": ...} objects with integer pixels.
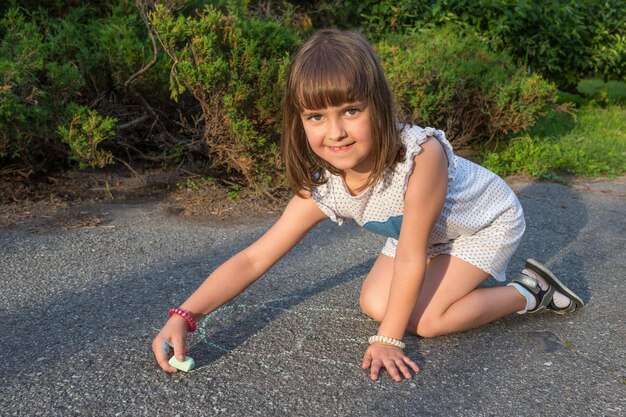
[{"x": 79, "y": 308}]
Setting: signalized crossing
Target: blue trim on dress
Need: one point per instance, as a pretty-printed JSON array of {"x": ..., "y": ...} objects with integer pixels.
[{"x": 390, "y": 227}]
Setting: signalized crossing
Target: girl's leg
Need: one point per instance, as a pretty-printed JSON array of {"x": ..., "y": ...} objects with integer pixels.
[{"x": 449, "y": 300}]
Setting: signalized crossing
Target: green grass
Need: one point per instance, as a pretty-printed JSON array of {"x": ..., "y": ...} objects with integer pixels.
[{"x": 590, "y": 143}]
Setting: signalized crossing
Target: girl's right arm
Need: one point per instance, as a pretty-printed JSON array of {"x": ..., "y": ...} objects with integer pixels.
[{"x": 236, "y": 274}]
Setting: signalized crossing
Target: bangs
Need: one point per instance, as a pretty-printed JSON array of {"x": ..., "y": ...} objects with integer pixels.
[{"x": 321, "y": 85}]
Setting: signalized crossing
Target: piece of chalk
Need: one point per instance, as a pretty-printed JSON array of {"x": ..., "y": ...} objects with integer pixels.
[{"x": 185, "y": 366}]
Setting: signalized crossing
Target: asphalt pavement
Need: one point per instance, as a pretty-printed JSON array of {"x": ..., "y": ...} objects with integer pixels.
[{"x": 79, "y": 307}]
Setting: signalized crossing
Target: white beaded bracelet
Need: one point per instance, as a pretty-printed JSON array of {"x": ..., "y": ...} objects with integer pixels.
[{"x": 387, "y": 340}]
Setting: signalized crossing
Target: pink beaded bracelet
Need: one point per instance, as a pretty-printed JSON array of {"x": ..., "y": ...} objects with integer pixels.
[{"x": 192, "y": 325}]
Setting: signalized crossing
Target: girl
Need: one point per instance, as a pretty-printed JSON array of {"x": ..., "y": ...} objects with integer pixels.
[{"x": 450, "y": 223}]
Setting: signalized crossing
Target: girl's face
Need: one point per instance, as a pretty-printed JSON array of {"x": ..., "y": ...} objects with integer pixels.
[{"x": 341, "y": 136}]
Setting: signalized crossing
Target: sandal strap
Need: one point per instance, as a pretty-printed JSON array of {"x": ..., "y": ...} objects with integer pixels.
[
  {"x": 562, "y": 310},
  {"x": 543, "y": 298}
]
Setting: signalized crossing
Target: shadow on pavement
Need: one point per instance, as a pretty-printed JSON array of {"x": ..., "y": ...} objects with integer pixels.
[{"x": 555, "y": 216}]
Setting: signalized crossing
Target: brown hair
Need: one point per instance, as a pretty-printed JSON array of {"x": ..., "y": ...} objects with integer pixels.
[{"x": 332, "y": 68}]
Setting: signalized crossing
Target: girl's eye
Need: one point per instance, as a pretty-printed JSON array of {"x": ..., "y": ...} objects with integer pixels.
[
  {"x": 352, "y": 112},
  {"x": 315, "y": 117}
]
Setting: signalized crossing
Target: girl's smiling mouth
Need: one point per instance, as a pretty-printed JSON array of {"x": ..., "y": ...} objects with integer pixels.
[{"x": 341, "y": 148}]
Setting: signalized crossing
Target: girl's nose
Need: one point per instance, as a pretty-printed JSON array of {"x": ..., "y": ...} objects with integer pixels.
[{"x": 336, "y": 131}]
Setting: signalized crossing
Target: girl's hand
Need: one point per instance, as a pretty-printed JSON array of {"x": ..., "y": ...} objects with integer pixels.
[
  {"x": 172, "y": 335},
  {"x": 380, "y": 355}
]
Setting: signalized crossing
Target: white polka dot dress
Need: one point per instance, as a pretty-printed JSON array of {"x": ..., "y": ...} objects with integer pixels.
[{"x": 482, "y": 220}]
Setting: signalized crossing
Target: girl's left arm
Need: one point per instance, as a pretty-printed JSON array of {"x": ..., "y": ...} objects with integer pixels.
[{"x": 423, "y": 202}]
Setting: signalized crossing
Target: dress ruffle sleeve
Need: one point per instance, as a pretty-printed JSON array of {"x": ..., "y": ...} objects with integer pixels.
[
  {"x": 324, "y": 198},
  {"x": 413, "y": 142}
]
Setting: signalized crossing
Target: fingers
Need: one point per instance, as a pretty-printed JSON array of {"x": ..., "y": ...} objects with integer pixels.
[
  {"x": 172, "y": 336},
  {"x": 403, "y": 369},
  {"x": 392, "y": 367},
  {"x": 180, "y": 350},
  {"x": 402, "y": 365},
  {"x": 160, "y": 348},
  {"x": 375, "y": 369},
  {"x": 393, "y": 360},
  {"x": 367, "y": 360},
  {"x": 411, "y": 364}
]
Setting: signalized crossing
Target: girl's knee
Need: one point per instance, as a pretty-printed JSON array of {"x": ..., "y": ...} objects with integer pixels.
[
  {"x": 427, "y": 327},
  {"x": 372, "y": 306},
  {"x": 426, "y": 332}
]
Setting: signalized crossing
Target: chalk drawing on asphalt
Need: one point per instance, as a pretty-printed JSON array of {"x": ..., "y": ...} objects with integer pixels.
[{"x": 299, "y": 326}]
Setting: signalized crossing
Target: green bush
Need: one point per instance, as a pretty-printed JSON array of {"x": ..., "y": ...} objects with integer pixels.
[
  {"x": 233, "y": 65},
  {"x": 375, "y": 18},
  {"x": 562, "y": 40},
  {"x": 27, "y": 94},
  {"x": 590, "y": 143},
  {"x": 378, "y": 18},
  {"x": 69, "y": 94},
  {"x": 122, "y": 45},
  {"x": 49, "y": 63},
  {"x": 457, "y": 83},
  {"x": 60, "y": 8},
  {"x": 84, "y": 133},
  {"x": 563, "y": 97},
  {"x": 602, "y": 92}
]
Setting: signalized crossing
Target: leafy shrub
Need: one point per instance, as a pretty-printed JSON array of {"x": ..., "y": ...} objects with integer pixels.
[
  {"x": 523, "y": 155},
  {"x": 233, "y": 65},
  {"x": 602, "y": 92},
  {"x": 563, "y": 97},
  {"x": 28, "y": 84},
  {"x": 380, "y": 17},
  {"x": 84, "y": 133},
  {"x": 560, "y": 39},
  {"x": 59, "y": 8},
  {"x": 69, "y": 73},
  {"x": 563, "y": 143},
  {"x": 84, "y": 56},
  {"x": 122, "y": 46},
  {"x": 616, "y": 91},
  {"x": 376, "y": 18},
  {"x": 457, "y": 83}
]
